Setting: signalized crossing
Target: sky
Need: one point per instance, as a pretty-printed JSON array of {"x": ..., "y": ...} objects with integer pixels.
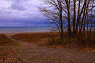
[
  {"x": 15, "y": 13},
  {"x": 20, "y": 12}
]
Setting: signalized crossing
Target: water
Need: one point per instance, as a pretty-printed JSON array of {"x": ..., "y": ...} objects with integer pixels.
[
  {"x": 28, "y": 29},
  {"x": 23, "y": 29}
]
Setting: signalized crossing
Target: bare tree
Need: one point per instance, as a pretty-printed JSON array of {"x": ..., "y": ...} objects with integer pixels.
[
  {"x": 68, "y": 17},
  {"x": 55, "y": 16},
  {"x": 62, "y": 10}
]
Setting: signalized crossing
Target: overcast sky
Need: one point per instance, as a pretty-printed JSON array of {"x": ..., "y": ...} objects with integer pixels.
[{"x": 20, "y": 12}]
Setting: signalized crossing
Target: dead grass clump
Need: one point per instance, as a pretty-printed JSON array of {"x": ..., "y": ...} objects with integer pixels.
[
  {"x": 34, "y": 37},
  {"x": 53, "y": 40},
  {"x": 6, "y": 41}
]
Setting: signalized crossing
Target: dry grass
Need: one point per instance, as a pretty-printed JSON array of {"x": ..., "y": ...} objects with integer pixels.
[
  {"x": 6, "y": 54},
  {"x": 52, "y": 39},
  {"x": 35, "y": 37},
  {"x": 6, "y": 41}
]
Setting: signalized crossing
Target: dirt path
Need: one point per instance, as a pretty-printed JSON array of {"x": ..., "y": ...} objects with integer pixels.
[{"x": 31, "y": 53}]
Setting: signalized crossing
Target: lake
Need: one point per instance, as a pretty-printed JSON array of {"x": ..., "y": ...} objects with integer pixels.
[{"x": 23, "y": 29}]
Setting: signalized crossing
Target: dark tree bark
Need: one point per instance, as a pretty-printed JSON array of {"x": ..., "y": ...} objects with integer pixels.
[
  {"x": 68, "y": 10},
  {"x": 60, "y": 16},
  {"x": 74, "y": 16}
]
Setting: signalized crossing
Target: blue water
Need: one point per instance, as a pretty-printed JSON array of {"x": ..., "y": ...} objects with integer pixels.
[
  {"x": 27, "y": 29},
  {"x": 23, "y": 29}
]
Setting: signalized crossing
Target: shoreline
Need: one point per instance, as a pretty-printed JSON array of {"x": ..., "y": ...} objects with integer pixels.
[
  {"x": 24, "y": 33},
  {"x": 14, "y": 33}
]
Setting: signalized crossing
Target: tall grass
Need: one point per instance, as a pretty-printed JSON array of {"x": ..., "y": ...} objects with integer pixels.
[
  {"x": 53, "y": 38},
  {"x": 6, "y": 41},
  {"x": 34, "y": 37}
]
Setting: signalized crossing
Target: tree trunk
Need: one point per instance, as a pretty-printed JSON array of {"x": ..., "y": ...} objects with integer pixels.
[
  {"x": 74, "y": 16},
  {"x": 68, "y": 10},
  {"x": 60, "y": 16}
]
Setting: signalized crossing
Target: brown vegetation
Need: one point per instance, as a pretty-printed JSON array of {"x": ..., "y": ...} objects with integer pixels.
[
  {"x": 6, "y": 54},
  {"x": 53, "y": 39},
  {"x": 31, "y": 53},
  {"x": 35, "y": 37},
  {"x": 6, "y": 41}
]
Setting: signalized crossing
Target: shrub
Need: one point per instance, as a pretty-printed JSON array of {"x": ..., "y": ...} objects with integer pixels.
[{"x": 55, "y": 41}]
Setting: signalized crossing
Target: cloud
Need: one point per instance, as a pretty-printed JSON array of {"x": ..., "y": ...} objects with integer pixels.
[
  {"x": 18, "y": 12},
  {"x": 22, "y": 22},
  {"x": 15, "y": 6},
  {"x": 17, "y": 1}
]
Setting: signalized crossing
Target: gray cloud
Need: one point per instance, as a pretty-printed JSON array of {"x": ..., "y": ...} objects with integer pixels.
[
  {"x": 23, "y": 10},
  {"x": 17, "y": 1},
  {"x": 15, "y": 6}
]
